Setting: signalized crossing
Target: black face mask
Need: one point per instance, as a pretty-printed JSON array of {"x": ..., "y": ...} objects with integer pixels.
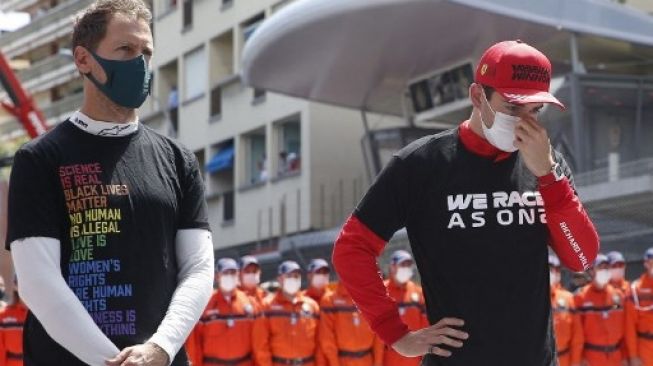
[{"x": 128, "y": 82}]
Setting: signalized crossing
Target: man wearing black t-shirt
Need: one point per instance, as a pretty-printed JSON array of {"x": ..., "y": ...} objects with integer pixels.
[
  {"x": 107, "y": 225},
  {"x": 480, "y": 203}
]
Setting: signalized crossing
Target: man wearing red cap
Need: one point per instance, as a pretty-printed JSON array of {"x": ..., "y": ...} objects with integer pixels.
[{"x": 485, "y": 198}]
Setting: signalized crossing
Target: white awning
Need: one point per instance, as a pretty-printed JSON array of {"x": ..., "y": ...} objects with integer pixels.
[{"x": 363, "y": 53}]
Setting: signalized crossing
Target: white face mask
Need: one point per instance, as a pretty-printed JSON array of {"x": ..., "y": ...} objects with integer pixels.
[
  {"x": 617, "y": 274},
  {"x": 502, "y": 132},
  {"x": 554, "y": 278},
  {"x": 251, "y": 279},
  {"x": 602, "y": 277},
  {"x": 292, "y": 285},
  {"x": 228, "y": 283},
  {"x": 320, "y": 281},
  {"x": 404, "y": 274}
]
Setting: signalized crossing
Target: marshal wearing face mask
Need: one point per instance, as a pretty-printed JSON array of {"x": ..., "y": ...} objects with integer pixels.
[
  {"x": 618, "y": 272},
  {"x": 639, "y": 319},
  {"x": 224, "y": 331},
  {"x": 567, "y": 324},
  {"x": 601, "y": 308},
  {"x": 318, "y": 279},
  {"x": 481, "y": 204},
  {"x": 250, "y": 278},
  {"x": 286, "y": 331},
  {"x": 410, "y": 301}
]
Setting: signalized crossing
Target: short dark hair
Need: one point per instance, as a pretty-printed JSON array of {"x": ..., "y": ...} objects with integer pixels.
[{"x": 91, "y": 27}]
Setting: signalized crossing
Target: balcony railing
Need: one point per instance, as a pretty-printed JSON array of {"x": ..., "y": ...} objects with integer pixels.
[
  {"x": 16, "y": 5},
  {"x": 626, "y": 170},
  {"x": 61, "y": 12},
  {"x": 65, "y": 105},
  {"x": 43, "y": 67},
  {"x": 9, "y": 126}
]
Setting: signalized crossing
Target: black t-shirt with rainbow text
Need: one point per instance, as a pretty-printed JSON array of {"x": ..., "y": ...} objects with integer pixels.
[{"x": 115, "y": 204}]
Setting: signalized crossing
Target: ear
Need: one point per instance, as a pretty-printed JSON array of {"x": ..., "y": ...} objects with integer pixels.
[
  {"x": 83, "y": 59},
  {"x": 475, "y": 95}
]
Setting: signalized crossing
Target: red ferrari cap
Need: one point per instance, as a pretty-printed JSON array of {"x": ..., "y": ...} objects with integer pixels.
[{"x": 517, "y": 71}]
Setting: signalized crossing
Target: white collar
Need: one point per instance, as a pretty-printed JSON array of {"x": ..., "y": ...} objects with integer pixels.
[{"x": 101, "y": 128}]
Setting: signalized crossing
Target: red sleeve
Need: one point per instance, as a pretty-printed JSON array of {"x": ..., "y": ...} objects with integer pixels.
[
  {"x": 354, "y": 258},
  {"x": 573, "y": 236}
]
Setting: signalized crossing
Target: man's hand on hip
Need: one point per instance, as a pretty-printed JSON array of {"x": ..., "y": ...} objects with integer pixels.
[
  {"x": 429, "y": 340},
  {"x": 148, "y": 354},
  {"x": 534, "y": 146}
]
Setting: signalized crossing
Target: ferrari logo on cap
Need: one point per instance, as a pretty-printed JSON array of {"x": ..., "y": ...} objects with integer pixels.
[{"x": 483, "y": 69}]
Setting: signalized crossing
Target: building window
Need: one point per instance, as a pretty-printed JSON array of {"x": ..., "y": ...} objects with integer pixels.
[
  {"x": 221, "y": 176},
  {"x": 165, "y": 6},
  {"x": 195, "y": 74},
  {"x": 188, "y": 14},
  {"x": 289, "y": 155},
  {"x": 216, "y": 102},
  {"x": 256, "y": 165},
  {"x": 173, "y": 108},
  {"x": 228, "y": 206},
  {"x": 250, "y": 26},
  {"x": 259, "y": 96},
  {"x": 221, "y": 54}
]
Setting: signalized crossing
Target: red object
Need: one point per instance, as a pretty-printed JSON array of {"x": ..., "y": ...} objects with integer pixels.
[
  {"x": 342, "y": 329},
  {"x": 519, "y": 72},
  {"x": 316, "y": 294},
  {"x": 573, "y": 238},
  {"x": 224, "y": 331},
  {"x": 410, "y": 300},
  {"x": 287, "y": 330},
  {"x": 639, "y": 320},
  {"x": 12, "y": 320},
  {"x": 602, "y": 316},
  {"x": 479, "y": 145},
  {"x": 547, "y": 179},
  {"x": 23, "y": 106},
  {"x": 568, "y": 327},
  {"x": 354, "y": 258}
]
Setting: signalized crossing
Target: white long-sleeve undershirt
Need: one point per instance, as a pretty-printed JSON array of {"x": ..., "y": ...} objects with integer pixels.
[{"x": 46, "y": 293}]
